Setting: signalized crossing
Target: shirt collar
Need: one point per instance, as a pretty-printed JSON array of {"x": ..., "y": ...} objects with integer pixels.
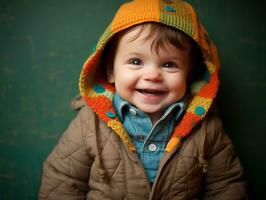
[{"x": 120, "y": 104}]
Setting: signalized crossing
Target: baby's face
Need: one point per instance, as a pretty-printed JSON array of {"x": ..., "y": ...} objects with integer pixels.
[{"x": 148, "y": 80}]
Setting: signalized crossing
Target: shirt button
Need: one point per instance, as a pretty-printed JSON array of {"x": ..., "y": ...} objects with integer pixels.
[
  {"x": 152, "y": 147},
  {"x": 132, "y": 111}
]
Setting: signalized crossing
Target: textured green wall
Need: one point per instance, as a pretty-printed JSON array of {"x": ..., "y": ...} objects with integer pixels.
[{"x": 43, "y": 45}]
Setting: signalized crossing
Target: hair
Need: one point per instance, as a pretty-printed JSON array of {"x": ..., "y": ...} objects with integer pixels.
[{"x": 164, "y": 35}]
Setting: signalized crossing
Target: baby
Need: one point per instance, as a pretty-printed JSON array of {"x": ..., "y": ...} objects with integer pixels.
[{"x": 146, "y": 127}]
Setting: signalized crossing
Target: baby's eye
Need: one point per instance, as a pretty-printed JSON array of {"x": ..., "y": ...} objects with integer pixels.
[
  {"x": 169, "y": 65},
  {"x": 135, "y": 61}
]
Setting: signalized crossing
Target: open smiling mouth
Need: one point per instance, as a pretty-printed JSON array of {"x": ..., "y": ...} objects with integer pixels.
[{"x": 151, "y": 92}]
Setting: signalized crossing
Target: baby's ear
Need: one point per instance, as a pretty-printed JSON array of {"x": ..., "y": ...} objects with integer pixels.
[{"x": 110, "y": 74}]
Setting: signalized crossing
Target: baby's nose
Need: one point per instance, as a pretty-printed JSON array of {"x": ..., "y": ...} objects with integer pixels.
[{"x": 153, "y": 75}]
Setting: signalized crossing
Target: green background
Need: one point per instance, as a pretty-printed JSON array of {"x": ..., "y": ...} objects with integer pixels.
[{"x": 43, "y": 45}]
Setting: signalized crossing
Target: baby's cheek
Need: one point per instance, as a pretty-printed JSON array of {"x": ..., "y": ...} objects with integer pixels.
[
  {"x": 128, "y": 78},
  {"x": 179, "y": 88}
]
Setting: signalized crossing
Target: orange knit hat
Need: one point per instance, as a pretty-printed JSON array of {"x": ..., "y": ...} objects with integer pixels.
[{"x": 98, "y": 93}]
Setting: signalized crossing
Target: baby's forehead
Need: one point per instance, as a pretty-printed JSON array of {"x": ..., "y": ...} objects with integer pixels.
[
  {"x": 160, "y": 34},
  {"x": 159, "y": 37}
]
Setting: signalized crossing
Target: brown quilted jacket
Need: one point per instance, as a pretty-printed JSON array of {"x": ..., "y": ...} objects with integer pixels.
[{"x": 91, "y": 162}]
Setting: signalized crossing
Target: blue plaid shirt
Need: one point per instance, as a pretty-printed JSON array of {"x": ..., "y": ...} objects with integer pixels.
[{"x": 150, "y": 140}]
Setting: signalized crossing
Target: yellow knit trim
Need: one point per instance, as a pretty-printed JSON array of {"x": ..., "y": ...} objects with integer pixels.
[
  {"x": 174, "y": 141},
  {"x": 104, "y": 38},
  {"x": 199, "y": 101},
  {"x": 83, "y": 79},
  {"x": 211, "y": 67},
  {"x": 92, "y": 93},
  {"x": 119, "y": 129}
]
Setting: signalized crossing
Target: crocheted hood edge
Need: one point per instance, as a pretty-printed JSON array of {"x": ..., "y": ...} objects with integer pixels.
[{"x": 98, "y": 93}]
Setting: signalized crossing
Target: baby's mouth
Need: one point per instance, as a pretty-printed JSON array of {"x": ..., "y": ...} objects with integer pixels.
[{"x": 150, "y": 91}]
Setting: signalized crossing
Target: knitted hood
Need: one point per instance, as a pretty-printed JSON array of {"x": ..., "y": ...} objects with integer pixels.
[{"x": 98, "y": 93}]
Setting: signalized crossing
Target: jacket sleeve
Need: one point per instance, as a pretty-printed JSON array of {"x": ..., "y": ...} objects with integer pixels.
[
  {"x": 67, "y": 169},
  {"x": 225, "y": 177}
]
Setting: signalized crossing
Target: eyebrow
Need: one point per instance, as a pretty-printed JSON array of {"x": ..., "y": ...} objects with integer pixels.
[
  {"x": 137, "y": 54},
  {"x": 133, "y": 54}
]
